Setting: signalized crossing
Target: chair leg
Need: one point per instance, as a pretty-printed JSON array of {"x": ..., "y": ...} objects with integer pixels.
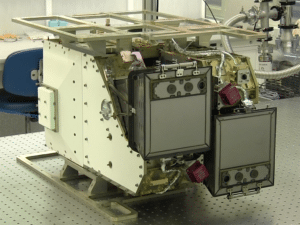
[{"x": 27, "y": 125}]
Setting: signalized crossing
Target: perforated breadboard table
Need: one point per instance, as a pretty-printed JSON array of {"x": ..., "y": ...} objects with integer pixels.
[{"x": 26, "y": 198}]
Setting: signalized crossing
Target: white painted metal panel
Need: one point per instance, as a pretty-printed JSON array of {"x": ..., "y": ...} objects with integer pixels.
[
  {"x": 46, "y": 107},
  {"x": 62, "y": 71},
  {"x": 127, "y": 166}
]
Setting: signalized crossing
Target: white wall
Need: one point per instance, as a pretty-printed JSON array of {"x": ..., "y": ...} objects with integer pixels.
[
  {"x": 18, "y": 8},
  {"x": 190, "y": 8},
  {"x": 71, "y": 7}
]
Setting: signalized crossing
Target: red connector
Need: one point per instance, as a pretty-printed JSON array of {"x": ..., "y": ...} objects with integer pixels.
[
  {"x": 197, "y": 172},
  {"x": 230, "y": 95}
]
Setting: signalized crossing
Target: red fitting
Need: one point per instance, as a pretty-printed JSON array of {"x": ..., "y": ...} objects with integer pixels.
[
  {"x": 197, "y": 172},
  {"x": 230, "y": 95}
]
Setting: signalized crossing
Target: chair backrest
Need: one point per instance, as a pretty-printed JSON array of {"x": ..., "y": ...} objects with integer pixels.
[{"x": 17, "y": 72}]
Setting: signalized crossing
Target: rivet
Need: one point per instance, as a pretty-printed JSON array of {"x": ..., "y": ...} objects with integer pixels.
[
  {"x": 85, "y": 103},
  {"x": 107, "y": 129},
  {"x": 85, "y": 121},
  {"x": 141, "y": 167},
  {"x": 102, "y": 119},
  {"x": 86, "y": 139},
  {"x": 86, "y": 156},
  {"x": 85, "y": 85},
  {"x": 141, "y": 176},
  {"x": 136, "y": 185},
  {"x": 84, "y": 67}
]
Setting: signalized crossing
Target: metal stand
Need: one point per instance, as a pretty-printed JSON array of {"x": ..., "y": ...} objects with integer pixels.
[{"x": 115, "y": 207}]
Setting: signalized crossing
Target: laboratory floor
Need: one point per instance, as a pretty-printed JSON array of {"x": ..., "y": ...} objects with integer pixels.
[{"x": 26, "y": 198}]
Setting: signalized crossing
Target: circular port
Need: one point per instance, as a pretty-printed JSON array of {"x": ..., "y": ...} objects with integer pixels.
[
  {"x": 239, "y": 177},
  {"x": 188, "y": 87},
  {"x": 244, "y": 77},
  {"x": 201, "y": 85},
  {"x": 254, "y": 174},
  {"x": 171, "y": 89},
  {"x": 226, "y": 178}
]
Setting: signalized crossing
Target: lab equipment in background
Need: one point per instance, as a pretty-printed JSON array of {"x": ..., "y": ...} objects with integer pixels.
[{"x": 275, "y": 65}]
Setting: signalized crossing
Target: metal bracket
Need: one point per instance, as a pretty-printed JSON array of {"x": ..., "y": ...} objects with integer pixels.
[
  {"x": 38, "y": 74},
  {"x": 98, "y": 185},
  {"x": 245, "y": 191}
]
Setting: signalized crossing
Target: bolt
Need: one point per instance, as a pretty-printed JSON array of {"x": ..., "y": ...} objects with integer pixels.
[
  {"x": 109, "y": 164},
  {"x": 109, "y": 136}
]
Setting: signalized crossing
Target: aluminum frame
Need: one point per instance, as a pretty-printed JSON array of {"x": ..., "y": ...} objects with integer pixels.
[{"x": 166, "y": 27}]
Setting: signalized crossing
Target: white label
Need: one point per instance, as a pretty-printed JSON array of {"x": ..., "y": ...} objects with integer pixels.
[{"x": 265, "y": 66}]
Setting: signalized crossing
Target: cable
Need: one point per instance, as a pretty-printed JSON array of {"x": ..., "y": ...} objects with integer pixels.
[
  {"x": 259, "y": 74},
  {"x": 210, "y": 11},
  {"x": 255, "y": 26}
]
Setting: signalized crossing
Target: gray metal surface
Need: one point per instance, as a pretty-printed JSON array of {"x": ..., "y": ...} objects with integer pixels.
[
  {"x": 167, "y": 116},
  {"x": 243, "y": 143},
  {"x": 11, "y": 124},
  {"x": 26, "y": 199}
]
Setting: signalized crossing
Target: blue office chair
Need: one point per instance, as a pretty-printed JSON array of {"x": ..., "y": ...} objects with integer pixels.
[{"x": 19, "y": 93}]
